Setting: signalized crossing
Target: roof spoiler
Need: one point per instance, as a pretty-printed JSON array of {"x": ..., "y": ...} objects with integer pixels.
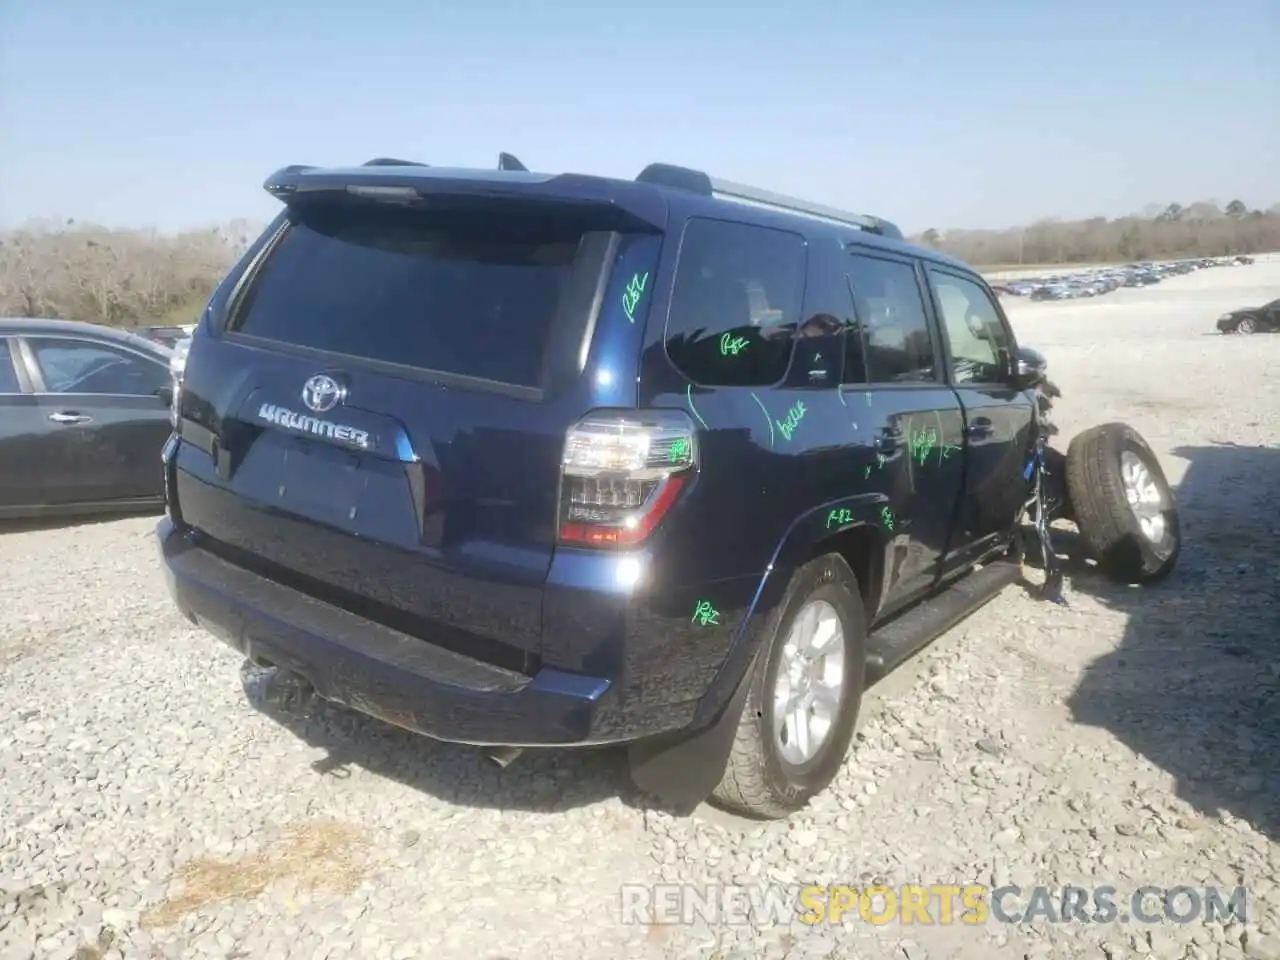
[
  {"x": 391, "y": 162},
  {"x": 397, "y": 181},
  {"x": 696, "y": 181},
  {"x": 506, "y": 161}
]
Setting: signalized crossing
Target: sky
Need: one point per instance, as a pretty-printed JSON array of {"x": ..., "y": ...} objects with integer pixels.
[{"x": 930, "y": 113}]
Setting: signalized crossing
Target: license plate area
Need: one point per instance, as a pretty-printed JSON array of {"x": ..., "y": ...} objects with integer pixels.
[{"x": 320, "y": 481}]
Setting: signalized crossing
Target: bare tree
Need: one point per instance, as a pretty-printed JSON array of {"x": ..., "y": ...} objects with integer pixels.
[
  {"x": 1161, "y": 231},
  {"x": 117, "y": 277},
  {"x": 131, "y": 277}
]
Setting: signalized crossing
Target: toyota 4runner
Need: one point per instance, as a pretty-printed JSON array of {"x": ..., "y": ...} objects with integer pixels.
[{"x": 522, "y": 460}]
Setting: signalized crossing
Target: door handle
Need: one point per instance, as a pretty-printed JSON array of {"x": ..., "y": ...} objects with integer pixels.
[
  {"x": 979, "y": 429},
  {"x": 64, "y": 416},
  {"x": 888, "y": 441}
]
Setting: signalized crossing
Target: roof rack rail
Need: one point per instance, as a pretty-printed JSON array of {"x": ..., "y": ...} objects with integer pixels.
[
  {"x": 391, "y": 162},
  {"x": 696, "y": 181},
  {"x": 508, "y": 161}
]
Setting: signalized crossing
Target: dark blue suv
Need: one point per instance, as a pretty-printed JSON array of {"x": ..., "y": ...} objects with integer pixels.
[{"x": 522, "y": 460}]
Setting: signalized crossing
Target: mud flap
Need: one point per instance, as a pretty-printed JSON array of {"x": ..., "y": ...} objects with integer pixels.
[{"x": 681, "y": 772}]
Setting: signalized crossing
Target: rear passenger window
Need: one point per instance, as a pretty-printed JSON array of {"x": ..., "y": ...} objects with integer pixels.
[
  {"x": 78, "y": 366},
  {"x": 735, "y": 304},
  {"x": 897, "y": 346},
  {"x": 8, "y": 376}
]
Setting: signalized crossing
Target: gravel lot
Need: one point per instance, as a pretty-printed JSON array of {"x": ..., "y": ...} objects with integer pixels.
[{"x": 150, "y": 809}]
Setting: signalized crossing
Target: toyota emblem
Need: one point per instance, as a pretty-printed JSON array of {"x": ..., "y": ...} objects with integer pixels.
[{"x": 322, "y": 393}]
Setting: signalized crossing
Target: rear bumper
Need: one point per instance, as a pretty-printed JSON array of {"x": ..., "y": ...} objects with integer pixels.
[{"x": 395, "y": 677}]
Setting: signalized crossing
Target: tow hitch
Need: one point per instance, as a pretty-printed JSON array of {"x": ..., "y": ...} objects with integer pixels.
[{"x": 289, "y": 691}]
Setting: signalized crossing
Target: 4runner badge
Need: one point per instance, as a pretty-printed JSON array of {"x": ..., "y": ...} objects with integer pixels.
[{"x": 291, "y": 419}]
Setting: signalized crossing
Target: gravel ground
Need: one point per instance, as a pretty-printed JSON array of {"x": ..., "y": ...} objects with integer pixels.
[{"x": 155, "y": 806}]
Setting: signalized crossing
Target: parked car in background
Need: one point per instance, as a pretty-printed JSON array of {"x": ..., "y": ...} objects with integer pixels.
[
  {"x": 1099, "y": 281},
  {"x": 84, "y": 414},
  {"x": 1265, "y": 318},
  {"x": 165, "y": 336}
]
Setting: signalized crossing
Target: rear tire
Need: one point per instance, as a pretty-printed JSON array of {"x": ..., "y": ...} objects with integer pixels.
[
  {"x": 1124, "y": 506},
  {"x": 770, "y": 778}
]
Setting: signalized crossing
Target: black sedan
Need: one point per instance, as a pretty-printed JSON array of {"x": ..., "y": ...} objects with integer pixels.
[
  {"x": 84, "y": 415},
  {"x": 1251, "y": 319}
]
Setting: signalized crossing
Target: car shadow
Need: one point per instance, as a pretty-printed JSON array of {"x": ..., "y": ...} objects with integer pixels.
[
  {"x": 545, "y": 780},
  {"x": 1194, "y": 684}
]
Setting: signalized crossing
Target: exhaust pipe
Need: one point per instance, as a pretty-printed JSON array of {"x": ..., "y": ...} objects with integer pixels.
[{"x": 503, "y": 756}]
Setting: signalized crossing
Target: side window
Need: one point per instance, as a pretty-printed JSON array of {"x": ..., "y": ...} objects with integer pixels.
[
  {"x": 735, "y": 303},
  {"x": 980, "y": 347},
  {"x": 827, "y": 316},
  {"x": 8, "y": 375},
  {"x": 77, "y": 366},
  {"x": 891, "y": 310}
]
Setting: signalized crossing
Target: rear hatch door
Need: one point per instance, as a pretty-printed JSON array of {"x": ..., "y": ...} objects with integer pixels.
[{"x": 381, "y": 422}]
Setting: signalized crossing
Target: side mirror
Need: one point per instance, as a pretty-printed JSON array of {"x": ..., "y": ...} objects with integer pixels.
[
  {"x": 165, "y": 394},
  {"x": 1029, "y": 368}
]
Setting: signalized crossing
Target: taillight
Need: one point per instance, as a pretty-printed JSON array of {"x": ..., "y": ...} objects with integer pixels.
[
  {"x": 175, "y": 405},
  {"x": 167, "y": 453},
  {"x": 621, "y": 473}
]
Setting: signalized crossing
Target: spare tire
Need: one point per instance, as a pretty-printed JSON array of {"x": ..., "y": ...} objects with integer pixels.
[{"x": 1123, "y": 504}]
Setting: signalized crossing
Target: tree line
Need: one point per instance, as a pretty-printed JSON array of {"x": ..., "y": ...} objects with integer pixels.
[
  {"x": 127, "y": 278},
  {"x": 1170, "y": 232},
  {"x": 121, "y": 278}
]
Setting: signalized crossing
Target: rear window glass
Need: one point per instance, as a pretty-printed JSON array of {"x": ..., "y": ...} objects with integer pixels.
[
  {"x": 463, "y": 292},
  {"x": 735, "y": 304}
]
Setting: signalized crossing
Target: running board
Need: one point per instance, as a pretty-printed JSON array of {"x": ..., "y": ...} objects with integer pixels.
[{"x": 901, "y": 638}]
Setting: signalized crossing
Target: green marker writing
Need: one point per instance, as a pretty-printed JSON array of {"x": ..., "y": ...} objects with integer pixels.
[
  {"x": 704, "y": 614},
  {"x": 838, "y": 518},
  {"x": 922, "y": 444},
  {"x": 788, "y": 426},
  {"x": 631, "y": 295}
]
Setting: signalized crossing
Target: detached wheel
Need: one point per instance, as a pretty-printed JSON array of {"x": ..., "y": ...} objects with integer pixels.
[
  {"x": 1123, "y": 504},
  {"x": 804, "y": 696},
  {"x": 1247, "y": 325}
]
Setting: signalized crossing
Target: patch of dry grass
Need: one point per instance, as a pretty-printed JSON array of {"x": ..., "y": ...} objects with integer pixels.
[{"x": 322, "y": 855}]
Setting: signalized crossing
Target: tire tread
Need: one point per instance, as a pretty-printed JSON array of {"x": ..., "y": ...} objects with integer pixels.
[
  {"x": 1099, "y": 503},
  {"x": 744, "y": 786}
]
